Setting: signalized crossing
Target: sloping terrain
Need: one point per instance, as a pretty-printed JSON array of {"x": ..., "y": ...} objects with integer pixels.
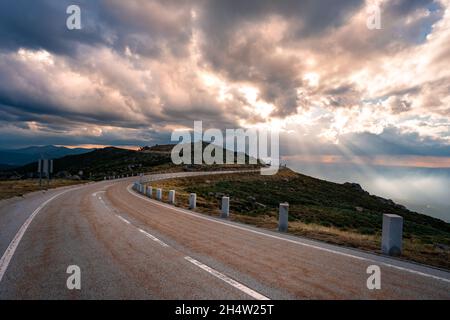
[{"x": 337, "y": 213}]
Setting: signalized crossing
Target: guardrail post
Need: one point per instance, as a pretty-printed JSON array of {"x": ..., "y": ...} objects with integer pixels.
[
  {"x": 172, "y": 196},
  {"x": 192, "y": 201},
  {"x": 392, "y": 234},
  {"x": 225, "y": 207},
  {"x": 149, "y": 191},
  {"x": 159, "y": 194},
  {"x": 283, "y": 214}
]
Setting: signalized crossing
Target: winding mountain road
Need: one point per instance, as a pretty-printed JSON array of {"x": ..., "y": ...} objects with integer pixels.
[{"x": 128, "y": 246}]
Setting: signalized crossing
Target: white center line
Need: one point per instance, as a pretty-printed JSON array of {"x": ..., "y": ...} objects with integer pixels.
[
  {"x": 210, "y": 270},
  {"x": 221, "y": 276},
  {"x": 123, "y": 219},
  {"x": 148, "y": 235},
  {"x": 297, "y": 242}
]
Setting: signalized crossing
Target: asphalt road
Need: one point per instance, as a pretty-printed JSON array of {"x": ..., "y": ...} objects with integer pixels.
[{"x": 130, "y": 247}]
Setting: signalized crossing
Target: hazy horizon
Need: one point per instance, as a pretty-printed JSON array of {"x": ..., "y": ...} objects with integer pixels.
[{"x": 423, "y": 190}]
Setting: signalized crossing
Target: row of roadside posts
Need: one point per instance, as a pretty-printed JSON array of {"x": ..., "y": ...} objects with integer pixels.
[{"x": 392, "y": 228}]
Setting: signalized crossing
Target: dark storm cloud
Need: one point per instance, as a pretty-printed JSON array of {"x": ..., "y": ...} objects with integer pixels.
[
  {"x": 393, "y": 142},
  {"x": 116, "y": 24},
  {"x": 224, "y": 22},
  {"x": 390, "y": 142},
  {"x": 223, "y": 18},
  {"x": 402, "y": 7},
  {"x": 42, "y": 25},
  {"x": 135, "y": 70}
]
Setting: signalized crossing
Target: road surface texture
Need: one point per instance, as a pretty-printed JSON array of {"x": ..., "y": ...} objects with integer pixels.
[{"x": 128, "y": 246}]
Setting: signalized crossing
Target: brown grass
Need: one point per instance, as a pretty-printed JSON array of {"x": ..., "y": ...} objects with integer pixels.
[{"x": 17, "y": 188}]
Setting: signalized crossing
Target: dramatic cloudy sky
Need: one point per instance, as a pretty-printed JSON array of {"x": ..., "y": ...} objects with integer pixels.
[{"x": 139, "y": 69}]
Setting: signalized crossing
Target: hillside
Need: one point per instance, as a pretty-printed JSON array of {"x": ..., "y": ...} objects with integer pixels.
[
  {"x": 20, "y": 157},
  {"x": 343, "y": 214},
  {"x": 97, "y": 164}
]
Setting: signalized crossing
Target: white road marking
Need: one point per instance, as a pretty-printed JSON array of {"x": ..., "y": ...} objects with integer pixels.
[
  {"x": 290, "y": 240},
  {"x": 148, "y": 235},
  {"x": 210, "y": 270},
  {"x": 7, "y": 256},
  {"x": 221, "y": 276},
  {"x": 123, "y": 219},
  {"x": 95, "y": 193}
]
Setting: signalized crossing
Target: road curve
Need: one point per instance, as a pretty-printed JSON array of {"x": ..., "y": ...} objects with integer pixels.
[{"x": 130, "y": 247}]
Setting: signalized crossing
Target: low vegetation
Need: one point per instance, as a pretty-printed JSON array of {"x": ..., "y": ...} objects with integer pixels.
[
  {"x": 342, "y": 214},
  {"x": 113, "y": 161}
]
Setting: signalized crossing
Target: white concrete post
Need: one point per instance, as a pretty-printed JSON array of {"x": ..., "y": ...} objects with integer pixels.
[
  {"x": 225, "y": 207},
  {"x": 172, "y": 196},
  {"x": 192, "y": 201},
  {"x": 149, "y": 191},
  {"x": 159, "y": 194},
  {"x": 392, "y": 234},
  {"x": 283, "y": 214}
]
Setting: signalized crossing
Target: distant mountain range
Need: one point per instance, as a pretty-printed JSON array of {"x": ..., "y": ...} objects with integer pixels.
[
  {"x": 98, "y": 163},
  {"x": 18, "y": 157}
]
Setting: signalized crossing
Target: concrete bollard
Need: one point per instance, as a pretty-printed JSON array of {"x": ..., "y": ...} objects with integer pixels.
[
  {"x": 149, "y": 191},
  {"x": 159, "y": 194},
  {"x": 225, "y": 207},
  {"x": 172, "y": 196},
  {"x": 192, "y": 201},
  {"x": 392, "y": 234},
  {"x": 283, "y": 214}
]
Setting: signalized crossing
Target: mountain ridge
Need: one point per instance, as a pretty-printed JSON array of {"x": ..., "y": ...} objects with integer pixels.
[{"x": 22, "y": 156}]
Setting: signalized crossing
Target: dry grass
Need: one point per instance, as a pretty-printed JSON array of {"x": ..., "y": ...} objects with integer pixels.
[{"x": 17, "y": 188}]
